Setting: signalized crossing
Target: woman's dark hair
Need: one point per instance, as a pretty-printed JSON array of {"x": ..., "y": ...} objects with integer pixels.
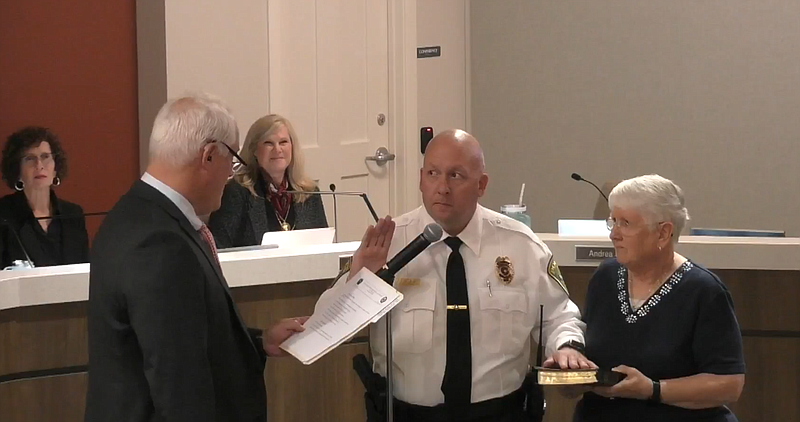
[{"x": 23, "y": 140}]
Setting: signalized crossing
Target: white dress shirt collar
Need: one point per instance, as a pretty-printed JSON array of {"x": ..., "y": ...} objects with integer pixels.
[
  {"x": 471, "y": 235},
  {"x": 179, "y": 200}
]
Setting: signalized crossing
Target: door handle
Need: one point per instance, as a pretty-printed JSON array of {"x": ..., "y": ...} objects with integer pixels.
[{"x": 382, "y": 155}]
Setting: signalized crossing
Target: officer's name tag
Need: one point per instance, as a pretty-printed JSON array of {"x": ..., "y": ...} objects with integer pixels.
[{"x": 406, "y": 282}]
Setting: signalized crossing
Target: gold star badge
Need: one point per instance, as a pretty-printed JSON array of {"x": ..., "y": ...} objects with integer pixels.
[{"x": 504, "y": 269}]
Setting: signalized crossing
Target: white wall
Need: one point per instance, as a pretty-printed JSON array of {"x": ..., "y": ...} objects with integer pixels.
[
  {"x": 220, "y": 49},
  {"x": 706, "y": 93},
  {"x": 442, "y": 81}
]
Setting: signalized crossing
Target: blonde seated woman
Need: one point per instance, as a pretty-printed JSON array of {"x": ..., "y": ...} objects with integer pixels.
[{"x": 257, "y": 199}]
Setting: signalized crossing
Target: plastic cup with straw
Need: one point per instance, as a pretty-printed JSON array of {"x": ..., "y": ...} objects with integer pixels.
[{"x": 518, "y": 211}]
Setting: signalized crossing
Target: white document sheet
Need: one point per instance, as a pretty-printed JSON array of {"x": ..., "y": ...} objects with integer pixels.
[{"x": 353, "y": 306}]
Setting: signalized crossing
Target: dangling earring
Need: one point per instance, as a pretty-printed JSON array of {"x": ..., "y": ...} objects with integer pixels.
[
  {"x": 56, "y": 181},
  {"x": 20, "y": 185}
]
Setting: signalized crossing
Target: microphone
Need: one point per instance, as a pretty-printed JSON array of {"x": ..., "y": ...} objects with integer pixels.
[
  {"x": 432, "y": 233},
  {"x": 335, "y": 215},
  {"x": 13, "y": 231},
  {"x": 343, "y": 193},
  {"x": 576, "y": 176}
]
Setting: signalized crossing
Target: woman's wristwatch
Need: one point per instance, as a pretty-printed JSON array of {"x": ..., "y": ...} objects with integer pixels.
[
  {"x": 656, "y": 397},
  {"x": 574, "y": 344}
]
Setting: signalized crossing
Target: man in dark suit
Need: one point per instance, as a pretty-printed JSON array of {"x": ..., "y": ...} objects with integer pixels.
[{"x": 166, "y": 342}]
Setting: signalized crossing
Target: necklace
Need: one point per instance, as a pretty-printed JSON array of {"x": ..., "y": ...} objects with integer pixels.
[
  {"x": 284, "y": 224},
  {"x": 659, "y": 281}
]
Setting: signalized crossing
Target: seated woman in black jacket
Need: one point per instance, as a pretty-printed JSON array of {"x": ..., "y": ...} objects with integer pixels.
[
  {"x": 256, "y": 200},
  {"x": 33, "y": 163}
]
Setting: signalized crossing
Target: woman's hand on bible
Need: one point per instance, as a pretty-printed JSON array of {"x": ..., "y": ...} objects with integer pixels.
[
  {"x": 374, "y": 249},
  {"x": 635, "y": 385}
]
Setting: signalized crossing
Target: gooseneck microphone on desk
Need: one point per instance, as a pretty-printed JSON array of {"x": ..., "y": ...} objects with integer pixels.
[
  {"x": 13, "y": 229},
  {"x": 335, "y": 215},
  {"x": 342, "y": 193},
  {"x": 576, "y": 176}
]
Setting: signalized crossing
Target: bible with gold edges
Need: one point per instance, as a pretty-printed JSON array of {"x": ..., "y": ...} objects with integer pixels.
[{"x": 556, "y": 376}]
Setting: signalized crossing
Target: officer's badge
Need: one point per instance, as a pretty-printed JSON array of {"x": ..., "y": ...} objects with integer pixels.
[
  {"x": 555, "y": 273},
  {"x": 504, "y": 269}
]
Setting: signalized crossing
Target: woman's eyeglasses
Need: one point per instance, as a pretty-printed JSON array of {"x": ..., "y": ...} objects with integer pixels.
[
  {"x": 625, "y": 226},
  {"x": 45, "y": 158}
]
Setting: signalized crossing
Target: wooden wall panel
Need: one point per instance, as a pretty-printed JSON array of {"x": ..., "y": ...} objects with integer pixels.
[
  {"x": 48, "y": 337},
  {"x": 54, "y": 336}
]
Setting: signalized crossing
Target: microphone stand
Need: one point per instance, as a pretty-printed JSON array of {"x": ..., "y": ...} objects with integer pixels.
[
  {"x": 67, "y": 216},
  {"x": 579, "y": 178},
  {"x": 13, "y": 231},
  {"x": 369, "y": 205},
  {"x": 344, "y": 193},
  {"x": 389, "y": 359},
  {"x": 335, "y": 216}
]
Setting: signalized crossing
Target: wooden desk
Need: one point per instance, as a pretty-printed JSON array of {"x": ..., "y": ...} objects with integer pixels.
[
  {"x": 43, "y": 328},
  {"x": 41, "y": 338}
]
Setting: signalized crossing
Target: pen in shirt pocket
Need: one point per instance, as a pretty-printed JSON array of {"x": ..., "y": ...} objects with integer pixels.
[{"x": 489, "y": 285}]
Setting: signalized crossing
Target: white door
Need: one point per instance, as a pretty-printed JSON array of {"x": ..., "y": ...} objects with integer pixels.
[{"x": 329, "y": 75}]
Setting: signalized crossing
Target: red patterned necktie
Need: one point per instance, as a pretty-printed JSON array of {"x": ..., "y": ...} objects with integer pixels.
[{"x": 205, "y": 233}]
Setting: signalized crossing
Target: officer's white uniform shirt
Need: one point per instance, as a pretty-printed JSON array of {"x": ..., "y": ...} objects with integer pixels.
[{"x": 503, "y": 318}]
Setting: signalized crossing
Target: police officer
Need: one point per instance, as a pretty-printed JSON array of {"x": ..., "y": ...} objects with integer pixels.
[{"x": 462, "y": 334}]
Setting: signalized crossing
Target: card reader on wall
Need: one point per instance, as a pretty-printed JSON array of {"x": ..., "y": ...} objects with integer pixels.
[{"x": 425, "y": 136}]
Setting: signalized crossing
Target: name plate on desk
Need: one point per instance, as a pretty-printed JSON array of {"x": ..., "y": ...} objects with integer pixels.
[{"x": 594, "y": 253}]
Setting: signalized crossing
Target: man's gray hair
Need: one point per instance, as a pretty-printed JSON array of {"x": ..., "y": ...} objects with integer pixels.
[
  {"x": 185, "y": 124},
  {"x": 657, "y": 198}
]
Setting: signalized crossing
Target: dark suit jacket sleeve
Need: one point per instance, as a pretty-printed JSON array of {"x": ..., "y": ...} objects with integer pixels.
[
  {"x": 227, "y": 221},
  {"x": 165, "y": 290},
  {"x": 257, "y": 337}
]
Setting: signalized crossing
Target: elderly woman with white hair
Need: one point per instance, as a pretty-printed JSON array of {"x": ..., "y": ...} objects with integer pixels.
[{"x": 662, "y": 320}]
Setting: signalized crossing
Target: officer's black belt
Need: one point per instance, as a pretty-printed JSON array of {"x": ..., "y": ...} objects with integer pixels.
[{"x": 486, "y": 409}]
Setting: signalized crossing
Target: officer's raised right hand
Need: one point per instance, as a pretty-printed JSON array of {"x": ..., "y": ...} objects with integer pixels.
[{"x": 374, "y": 250}]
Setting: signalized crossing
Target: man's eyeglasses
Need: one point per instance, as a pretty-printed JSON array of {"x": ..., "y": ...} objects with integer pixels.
[{"x": 239, "y": 164}]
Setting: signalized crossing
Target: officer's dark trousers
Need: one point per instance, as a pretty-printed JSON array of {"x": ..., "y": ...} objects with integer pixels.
[{"x": 502, "y": 409}]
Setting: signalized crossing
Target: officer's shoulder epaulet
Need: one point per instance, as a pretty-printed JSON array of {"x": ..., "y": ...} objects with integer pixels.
[
  {"x": 505, "y": 222},
  {"x": 407, "y": 218}
]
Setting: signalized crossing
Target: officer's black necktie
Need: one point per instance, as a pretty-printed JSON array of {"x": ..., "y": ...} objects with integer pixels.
[{"x": 457, "y": 382}]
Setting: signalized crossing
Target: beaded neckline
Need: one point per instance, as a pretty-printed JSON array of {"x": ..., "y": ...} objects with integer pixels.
[{"x": 631, "y": 315}]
